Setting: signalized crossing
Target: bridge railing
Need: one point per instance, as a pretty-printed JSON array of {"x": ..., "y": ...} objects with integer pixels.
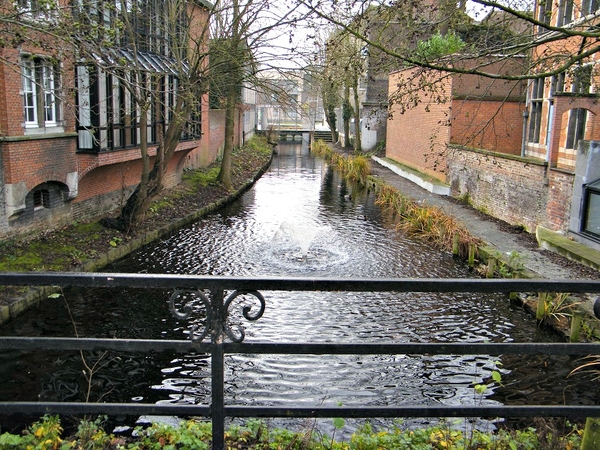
[{"x": 216, "y": 295}]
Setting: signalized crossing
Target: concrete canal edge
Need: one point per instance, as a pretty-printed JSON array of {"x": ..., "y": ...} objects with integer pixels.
[{"x": 33, "y": 296}]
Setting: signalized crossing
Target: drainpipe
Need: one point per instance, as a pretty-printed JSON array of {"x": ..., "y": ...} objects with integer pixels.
[
  {"x": 525, "y": 118},
  {"x": 524, "y": 139}
]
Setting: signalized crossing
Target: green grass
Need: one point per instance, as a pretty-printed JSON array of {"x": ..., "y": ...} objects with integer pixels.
[{"x": 202, "y": 177}]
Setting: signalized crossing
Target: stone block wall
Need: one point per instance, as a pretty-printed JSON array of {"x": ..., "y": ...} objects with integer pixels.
[
  {"x": 507, "y": 187},
  {"x": 560, "y": 196}
]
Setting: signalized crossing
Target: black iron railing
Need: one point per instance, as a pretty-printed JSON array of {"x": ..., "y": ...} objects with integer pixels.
[{"x": 219, "y": 337}]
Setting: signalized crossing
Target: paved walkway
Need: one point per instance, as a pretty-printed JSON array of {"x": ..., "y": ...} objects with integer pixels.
[{"x": 535, "y": 259}]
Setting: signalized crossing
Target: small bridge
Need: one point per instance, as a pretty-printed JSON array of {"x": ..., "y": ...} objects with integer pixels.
[{"x": 293, "y": 134}]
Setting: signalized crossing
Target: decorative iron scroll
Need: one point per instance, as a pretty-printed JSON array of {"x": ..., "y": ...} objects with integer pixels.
[
  {"x": 188, "y": 312},
  {"x": 234, "y": 332}
]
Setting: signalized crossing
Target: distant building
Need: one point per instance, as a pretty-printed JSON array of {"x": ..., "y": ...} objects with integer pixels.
[{"x": 288, "y": 100}]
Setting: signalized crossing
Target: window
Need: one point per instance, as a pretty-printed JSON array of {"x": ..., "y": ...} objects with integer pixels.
[
  {"x": 41, "y": 106},
  {"x": 565, "y": 13},
  {"x": 591, "y": 210},
  {"x": 544, "y": 14},
  {"x": 537, "y": 101},
  {"x": 108, "y": 116},
  {"x": 582, "y": 79},
  {"x": 576, "y": 127},
  {"x": 589, "y": 7},
  {"x": 157, "y": 26},
  {"x": 35, "y": 9},
  {"x": 557, "y": 84},
  {"x": 41, "y": 198}
]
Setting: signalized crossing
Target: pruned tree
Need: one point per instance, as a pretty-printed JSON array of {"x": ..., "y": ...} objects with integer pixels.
[
  {"x": 343, "y": 67},
  {"x": 231, "y": 60},
  {"x": 245, "y": 42}
]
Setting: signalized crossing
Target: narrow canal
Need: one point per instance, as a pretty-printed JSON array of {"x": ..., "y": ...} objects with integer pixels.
[{"x": 300, "y": 219}]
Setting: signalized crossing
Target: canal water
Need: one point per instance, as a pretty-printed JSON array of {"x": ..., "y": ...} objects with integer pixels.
[{"x": 300, "y": 219}]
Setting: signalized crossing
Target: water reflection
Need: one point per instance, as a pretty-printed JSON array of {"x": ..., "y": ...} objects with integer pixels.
[{"x": 300, "y": 219}]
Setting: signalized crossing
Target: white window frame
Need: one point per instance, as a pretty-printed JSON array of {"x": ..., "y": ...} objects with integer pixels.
[
  {"x": 48, "y": 87},
  {"x": 30, "y": 102},
  {"x": 41, "y": 106},
  {"x": 34, "y": 10}
]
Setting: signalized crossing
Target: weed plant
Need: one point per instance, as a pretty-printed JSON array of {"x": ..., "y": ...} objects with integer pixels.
[
  {"x": 196, "y": 435},
  {"x": 426, "y": 222},
  {"x": 353, "y": 168},
  {"x": 557, "y": 307}
]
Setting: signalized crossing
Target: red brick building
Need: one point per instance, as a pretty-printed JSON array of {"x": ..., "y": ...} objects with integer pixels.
[
  {"x": 533, "y": 160},
  {"x": 457, "y": 109},
  {"x": 68, "y": 152}
]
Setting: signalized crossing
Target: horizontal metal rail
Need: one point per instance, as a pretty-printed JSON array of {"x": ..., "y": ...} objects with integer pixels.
[
  {"x": 299, "y": 284},
  {"x": 216, "y": 306},
  {"x": 145, "y": 345}
]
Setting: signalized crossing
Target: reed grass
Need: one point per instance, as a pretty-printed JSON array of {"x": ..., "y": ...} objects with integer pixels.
[
  {"x": 353, "y": 168},
  {"x": 426, "y": 222}
]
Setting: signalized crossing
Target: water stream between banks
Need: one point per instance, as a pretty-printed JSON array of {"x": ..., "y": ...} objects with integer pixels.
[{"x": 300, "y": 219}]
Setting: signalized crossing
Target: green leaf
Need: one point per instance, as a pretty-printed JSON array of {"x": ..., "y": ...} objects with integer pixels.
[
  {"x": 496, "y": 376},
  {"x": 480, "y": 388},
  {"x": 338, "y": 422},
  {"x": 10, "y": 439},
  {"x": 55, "y": 295}
]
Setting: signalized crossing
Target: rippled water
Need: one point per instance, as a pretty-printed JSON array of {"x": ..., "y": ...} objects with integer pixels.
[{"x": 300, "y": 219}]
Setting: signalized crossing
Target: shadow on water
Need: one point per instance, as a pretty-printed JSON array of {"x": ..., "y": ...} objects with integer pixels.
[{"x": 300, "y": 219}]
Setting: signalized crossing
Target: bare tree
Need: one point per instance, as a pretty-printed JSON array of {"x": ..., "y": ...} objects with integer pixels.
[
  {"x": 245, "y": 34},
  {"x": 512, "y": 30},
  {"x": 153, "y": 55}
]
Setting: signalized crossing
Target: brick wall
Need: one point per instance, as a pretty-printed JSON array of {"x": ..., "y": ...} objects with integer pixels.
[
  {"x": 488, "y": 124},
  {"x": 38, "y": 159},
  {"x": 12, "y": 121},
  {"x": 217, "y": 131},
  {"x": 81, "y": 186},
  {"x": 559, "y": 199},
  {"x": 418, "y": 137},
  {"x": 507, "y": 187},
  {"x": 463, "y": 110}
]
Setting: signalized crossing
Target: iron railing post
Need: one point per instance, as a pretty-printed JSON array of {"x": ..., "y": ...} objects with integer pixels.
[{"x": 218, "y": 370}]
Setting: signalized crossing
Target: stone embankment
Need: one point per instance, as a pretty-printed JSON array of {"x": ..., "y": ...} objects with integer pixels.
[
  {"x": 89, "y": 247},
  {"x": 510, "y": 244}
]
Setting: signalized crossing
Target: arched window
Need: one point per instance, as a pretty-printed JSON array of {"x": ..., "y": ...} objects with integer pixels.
[{"x": 576, "y": 127}]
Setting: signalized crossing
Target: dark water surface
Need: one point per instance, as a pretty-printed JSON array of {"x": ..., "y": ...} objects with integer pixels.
[{"x": 299, "y": 220}]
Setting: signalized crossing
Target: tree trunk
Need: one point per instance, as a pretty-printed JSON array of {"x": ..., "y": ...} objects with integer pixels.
[
  {"x": 225, "y": 172},
  {"x": 331, "y": 119},
  {"x": 135, "y": 205},
  {"x": 151, "y": 181},
  {"x": 347, "y": 112},
  {"x": 357, "y": 130}
]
